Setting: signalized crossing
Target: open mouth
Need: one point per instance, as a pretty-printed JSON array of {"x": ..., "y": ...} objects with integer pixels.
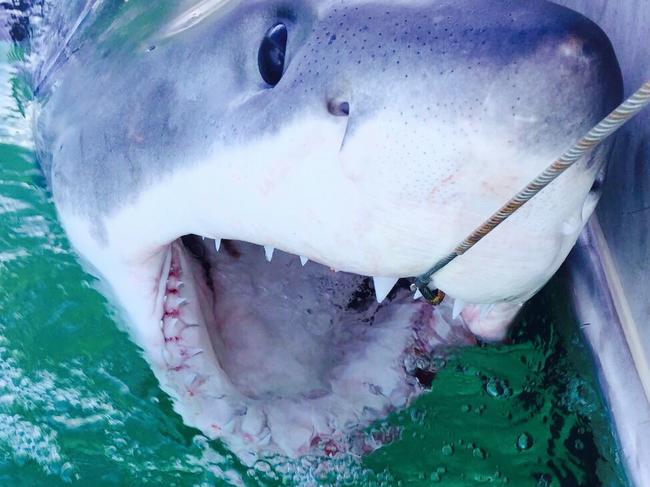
[{"x": 278, "y": 354}]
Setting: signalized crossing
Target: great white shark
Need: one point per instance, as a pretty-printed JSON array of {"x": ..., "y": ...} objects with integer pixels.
[{"x": 256, "y": 181}]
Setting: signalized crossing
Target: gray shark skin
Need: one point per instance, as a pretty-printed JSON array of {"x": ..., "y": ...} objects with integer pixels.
[{"x": 395, "y": 129}]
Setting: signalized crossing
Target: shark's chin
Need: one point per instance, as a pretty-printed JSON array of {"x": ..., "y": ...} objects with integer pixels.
[{"x": 284, "y": 358}]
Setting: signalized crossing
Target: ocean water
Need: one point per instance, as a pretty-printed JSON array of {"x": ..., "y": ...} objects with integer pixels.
[{"x": 78, "y": 404}]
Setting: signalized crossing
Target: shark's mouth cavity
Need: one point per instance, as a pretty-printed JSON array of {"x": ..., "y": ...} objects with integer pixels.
[{"x": 291, "y": 357}]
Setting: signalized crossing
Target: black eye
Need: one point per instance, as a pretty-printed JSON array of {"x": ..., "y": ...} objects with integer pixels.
[{"x": 270, "y": 59}]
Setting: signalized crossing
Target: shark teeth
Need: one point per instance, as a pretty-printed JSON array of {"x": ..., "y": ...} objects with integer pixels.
[
  {"x": 383, "y": 286},
  {"x": 458, "y": 308},
  {"x": 485, "y": 310},
  {"x": 268, "y": 251},
  {"x": 190, "y": 352},
  {"x": 193, "y": 381},
  {"x": 173, "y": 303},
  {"x": 254, "y": 422}
]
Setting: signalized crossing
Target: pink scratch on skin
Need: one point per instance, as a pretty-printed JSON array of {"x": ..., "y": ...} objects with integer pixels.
[
  {"x": 279, "y": 174},
  {"x": 433, "y": 194}
]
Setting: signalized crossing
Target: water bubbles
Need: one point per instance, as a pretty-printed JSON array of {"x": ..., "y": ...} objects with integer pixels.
[
  {"x": 479, "y": 453},
  {"x": 524, "y": 442},
  {"x": 438, "y": 363},
  {"x": 263, "y": 467},
  {"x": 498, "y": 388},
  {"x": 447, "y": 450},
  {"x": 437, "y": 475},
  {"x": 418, "y": 415},
  {"x": 67, "y": 472},
  {"x": 491, "y": 478}
]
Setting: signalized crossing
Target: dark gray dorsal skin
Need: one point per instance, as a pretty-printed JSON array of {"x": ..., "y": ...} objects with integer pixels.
[{"x": 155, "y": 123}]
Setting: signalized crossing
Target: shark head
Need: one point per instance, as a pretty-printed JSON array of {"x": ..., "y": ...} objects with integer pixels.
[{"x": 254, "y": 181}]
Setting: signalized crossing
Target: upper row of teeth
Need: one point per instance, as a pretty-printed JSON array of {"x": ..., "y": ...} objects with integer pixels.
[{"x": 383, "y": 285}]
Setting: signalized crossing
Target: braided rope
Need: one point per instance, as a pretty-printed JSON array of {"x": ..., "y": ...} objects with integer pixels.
[{"x": 614, "y": 121}]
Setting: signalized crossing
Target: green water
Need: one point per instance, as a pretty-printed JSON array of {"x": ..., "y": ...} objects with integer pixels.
[{"x": 79, "y": 405}]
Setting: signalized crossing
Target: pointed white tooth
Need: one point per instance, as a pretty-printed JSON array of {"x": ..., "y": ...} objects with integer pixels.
[
  {"x": 169, "y": 324},
  {"x": 190, "y": 379},
  {"x": 217, "y": 244},
  {"x": 188, "y": 353},
  {"x": 417, "y": 295},
  {"x": 170, "y": 359},
  {"x": 303, "y": 260},
  {"x": 458, "y": 307},
  {"x": 174, "y": 302},
  {"x": 485, "y": 310},
  {"x": 383, "y": 286},
  {"x": 269, "y": 252}
]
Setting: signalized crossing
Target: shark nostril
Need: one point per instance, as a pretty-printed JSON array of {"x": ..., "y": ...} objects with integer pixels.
[{"x": 338, "y": 108}]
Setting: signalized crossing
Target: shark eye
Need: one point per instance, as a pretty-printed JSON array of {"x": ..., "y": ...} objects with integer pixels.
[{"x": 270, "y": 58}]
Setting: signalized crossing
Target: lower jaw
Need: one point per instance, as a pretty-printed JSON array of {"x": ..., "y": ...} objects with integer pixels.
[{"x": 290, "y": 389}]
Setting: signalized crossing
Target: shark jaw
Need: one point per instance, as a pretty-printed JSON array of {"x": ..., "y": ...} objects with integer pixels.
[
  {"x": 284, "y": 358},
  {"x": 289, "y": 356},
  {"x": 273, "y": 353}
]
